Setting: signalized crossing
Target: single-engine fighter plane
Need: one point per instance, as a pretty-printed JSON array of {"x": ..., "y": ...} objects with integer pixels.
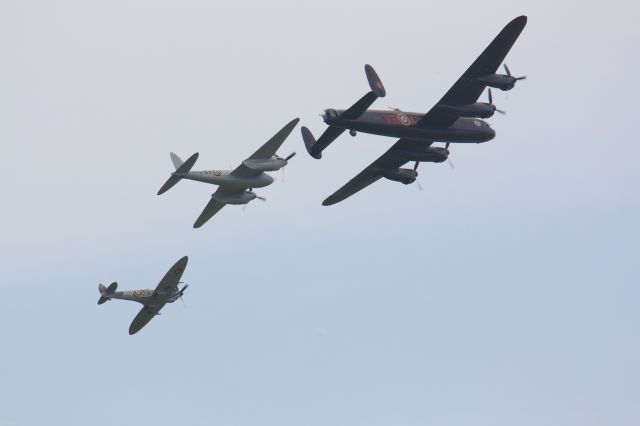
[
  {"x": 152, "y": 300},
  {"x": 235, "y": 186},
  {"x": 456, "y": 118}
]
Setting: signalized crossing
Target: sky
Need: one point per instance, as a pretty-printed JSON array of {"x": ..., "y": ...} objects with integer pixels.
[{"x": 505, "y": 292}]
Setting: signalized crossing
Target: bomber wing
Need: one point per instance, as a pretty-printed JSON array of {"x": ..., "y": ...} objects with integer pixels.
[
  {"x": 392, "y": 159},
  {"x": 468, "y": 89},
  {"x": 266, "y": 151}
]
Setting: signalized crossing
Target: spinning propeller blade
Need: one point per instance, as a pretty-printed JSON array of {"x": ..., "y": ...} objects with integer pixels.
[
  {"x": 506, "y": 68},
  {"x": 491, "y": 103}
]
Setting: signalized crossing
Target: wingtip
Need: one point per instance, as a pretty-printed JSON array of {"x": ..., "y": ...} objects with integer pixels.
[{"x": 521, "y": 20}]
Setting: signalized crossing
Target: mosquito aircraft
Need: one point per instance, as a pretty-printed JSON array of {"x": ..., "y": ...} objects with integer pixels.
[
  {"x": 456, "y": 118},
  {"x": 235, "y": 186},
  {"x": 152, "y": 300}
]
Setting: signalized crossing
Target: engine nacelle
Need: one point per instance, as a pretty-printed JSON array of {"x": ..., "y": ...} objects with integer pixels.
[
  {"x": 406, "y": 176},
  {"x": 265, "y": 164},
  {"x": 475, "y": 110},
  {"x": 431, "y": 155},
  {"x": 239, "y": 198},
  {"x": 499, "y": 81}
]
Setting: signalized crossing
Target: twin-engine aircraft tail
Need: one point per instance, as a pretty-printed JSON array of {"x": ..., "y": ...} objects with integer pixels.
[
  {"x": 106, "y": 292},
  {"x": 181, "y": 168}
]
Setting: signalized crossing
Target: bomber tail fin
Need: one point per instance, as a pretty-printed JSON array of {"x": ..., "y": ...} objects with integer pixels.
[
  {"x": 181, "y": 168},
  {"x": 106, "y": 292},
  {"x": 315, "y": 148}
]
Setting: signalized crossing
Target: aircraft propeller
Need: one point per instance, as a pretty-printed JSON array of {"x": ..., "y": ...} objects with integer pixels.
[
  {"x": 181, "y": 292},
  {"x": 447, "y": 145},
  {"x": 415, "y": 169},
  {"x": 286, "y": 162},
  {"x": 506, "y": 68},
  {"x": 491, "y": 103}
]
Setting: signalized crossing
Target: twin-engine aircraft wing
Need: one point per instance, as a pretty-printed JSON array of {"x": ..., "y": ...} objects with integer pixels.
[
  {"x": 167, "y": 287},
  {"x": 213, "y": 206},
  {"x": 468, "y": 88},
  {"x": 392, "y": 159},
  {"x": 266, "y": 151}
]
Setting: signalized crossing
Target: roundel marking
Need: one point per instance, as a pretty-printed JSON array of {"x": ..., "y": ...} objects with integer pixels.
[
  {"x": 477, "y": 123},
  {"x": 404, "y": 120},
  {"x": 178, "y": 270},
  {"x": 138, "y": 293}
]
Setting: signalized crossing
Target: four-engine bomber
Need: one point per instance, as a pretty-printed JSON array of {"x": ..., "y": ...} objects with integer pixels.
[{"x": 456, "y": 118}]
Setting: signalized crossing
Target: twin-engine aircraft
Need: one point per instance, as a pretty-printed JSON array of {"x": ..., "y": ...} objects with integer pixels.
[
  {"x": 456, "y": 118},
  {"x": 235, "y": 186},
  {"x": 152, "y": 300}
]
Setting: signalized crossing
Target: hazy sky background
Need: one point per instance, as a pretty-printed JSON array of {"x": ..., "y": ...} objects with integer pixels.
[{"x": 505, "y": 293}]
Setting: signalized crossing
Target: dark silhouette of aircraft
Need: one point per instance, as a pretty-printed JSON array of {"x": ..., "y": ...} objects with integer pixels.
[{"x": 456, "y": 118}]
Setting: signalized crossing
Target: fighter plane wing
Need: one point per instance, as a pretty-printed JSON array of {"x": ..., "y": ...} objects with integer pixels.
[
  {"x": 468, "y": 89},
  {"x": 144, "y": 316},
  {"x": 267, "y": 150},
  {"x": 167, "y": 287},
  {"x": 169, "y": 283},
  {"x": 392, "y": 159}
]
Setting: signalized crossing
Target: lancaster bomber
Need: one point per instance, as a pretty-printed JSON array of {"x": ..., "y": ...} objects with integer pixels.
[
  {"x": 456, "y": 118},
  {"x": 235, "y": 186}
]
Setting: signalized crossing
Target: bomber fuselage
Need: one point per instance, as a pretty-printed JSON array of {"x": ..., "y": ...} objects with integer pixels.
[{"x": 405, "y": 125}]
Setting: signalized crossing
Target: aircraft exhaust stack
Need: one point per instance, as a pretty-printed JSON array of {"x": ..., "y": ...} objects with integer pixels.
[
  {"x": 181, "y": 169},
  {"x": 105, "y": 292}
]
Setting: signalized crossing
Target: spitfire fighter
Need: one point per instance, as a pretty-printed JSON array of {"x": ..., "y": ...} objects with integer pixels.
[
  {"x": 456, "y": 118},
  {"x": 235, "y": 186},
  {"x": 152, "y": 300}
]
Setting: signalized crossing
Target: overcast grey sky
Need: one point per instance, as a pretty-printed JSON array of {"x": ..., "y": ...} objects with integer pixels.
[{"x": 506, "y": 292}]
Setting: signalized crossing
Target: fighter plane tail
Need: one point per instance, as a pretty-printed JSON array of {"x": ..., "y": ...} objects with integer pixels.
[
  {"x": 105, "y": 292},
  {"x": 181, "y": 169}
]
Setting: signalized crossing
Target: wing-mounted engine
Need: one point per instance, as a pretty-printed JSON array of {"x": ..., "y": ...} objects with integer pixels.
[
  {"x": 475, "y": 110},
  {"x": 501, "y": 81},
  {"x": 243, "y": 197},
  {"x": 268, "y": 164},
  {"x": 432, "y": 154},
  {"x": 405, "y": 176}
]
